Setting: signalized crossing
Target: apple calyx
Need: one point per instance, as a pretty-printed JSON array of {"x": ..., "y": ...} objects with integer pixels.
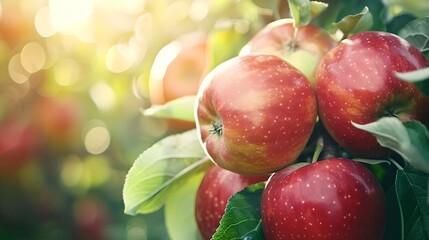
[
  {"x": 398, "y": 112},
  {"x": 217, "y": 127}
]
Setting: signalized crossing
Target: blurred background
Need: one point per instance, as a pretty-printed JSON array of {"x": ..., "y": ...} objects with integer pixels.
[{"x": 75, "y": 76}]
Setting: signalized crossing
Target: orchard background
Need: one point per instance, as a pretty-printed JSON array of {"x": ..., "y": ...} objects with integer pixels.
[{"x": 80, "y": 101}]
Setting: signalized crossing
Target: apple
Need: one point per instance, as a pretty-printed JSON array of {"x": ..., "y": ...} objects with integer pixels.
[
  {"x": 304, "y": 51},
  {"x": 178, "y": 68},
  {"x": 356, "y": 82},
  {"x": 19, "y": 143},
  {"x": 177, "y": 71},
  {"x": 330, "y": 199},
  {"x": 254, "y": 114},
  {"x": 16, "y": 25},
  {"x": 217, "y": 186},
  {"x": 60, "y": 121}
]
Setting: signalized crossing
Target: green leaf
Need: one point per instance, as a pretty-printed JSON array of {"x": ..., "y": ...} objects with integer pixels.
[
  {"x": 371, "y": 161},
  {"x": 419, "y": 77},
  {"x": 181, "y": 108},
  {"x": 272, "y": 5},
  {"x": 393, "y": 8},
  {"x": 160, "y": 168},
  {"x": 355, "y": 23},
  {"x": 317, "y": 8},
  {"x": 414, "y": 76},
  {"x": 180, "y": 209},
  {"x": 242, "y": 218},
  {"x": 411, "y": 187},
  {"x": 417, "y": 33},
  {"x": 410, "y": 139},
  {"x": 300, "y": 10}
]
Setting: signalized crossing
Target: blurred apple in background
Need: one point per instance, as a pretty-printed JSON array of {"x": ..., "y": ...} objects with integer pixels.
[
  {"x": 178, "y": 68},
  {"x": 59, "y": 120},
  {"x": 19, "y": 143},
  {"x": 16, "y": 26},
  {"x": 177, "y": 71}
]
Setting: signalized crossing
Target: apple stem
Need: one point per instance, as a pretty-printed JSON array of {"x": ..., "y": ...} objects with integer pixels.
[
  {"x": 294, "y": 38},
  {"x": 319, "y": 147}
]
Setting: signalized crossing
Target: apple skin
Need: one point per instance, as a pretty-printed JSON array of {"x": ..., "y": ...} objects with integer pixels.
[
  {"x": 217, "y": 186},
  {"x": 330, "y": 199},
  {"x": 177, "y": 71},
  {"x": 305, "y": 52},
  {"x": 255, "y": 114},
  {"x": 178, "y": 68},
  {"x": 356, "y": 82}
]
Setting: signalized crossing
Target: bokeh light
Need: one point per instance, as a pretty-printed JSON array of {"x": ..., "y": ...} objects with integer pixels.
[{"x": 75, "y": 74}]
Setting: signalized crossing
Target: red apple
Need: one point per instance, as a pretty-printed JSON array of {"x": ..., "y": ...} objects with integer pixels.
[
  {"x": 19, "y": 143},
  {"x": 255, "y": 114},
  {"x": 217, "y": 186},
  {"x": 356, "y": 82},
  {"x": 178, "y": 68},
  {"x": 177, "y": 71},
  {"x": 304, "y": 51},
  {"x": 59, "y": 120},
  {"x": 330, "y": 199}
]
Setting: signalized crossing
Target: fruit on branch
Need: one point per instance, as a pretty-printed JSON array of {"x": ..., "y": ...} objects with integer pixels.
[
  {"x": 330, "y": 199},
  {"x": 356, "y": 82},
  {"x": 303, "y": 48},
  {"x": 177, "y": 71},
  {"x": 217, "y": 186},
  {"x": 255, "y": 114},
  {"x": 178, "y": 68}
]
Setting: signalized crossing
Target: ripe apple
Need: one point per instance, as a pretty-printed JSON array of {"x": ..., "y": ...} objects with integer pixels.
[
  {"x": 255, "y": 114},
  {"x": 356, "y": 82},
  {"x": 304, "y": 51},
  {"x": 19, "y": 143},
  {"x": 59, "y": 120},
  {"x": 330, "y": 199},
  {"x": 177, "y": 71},
  {"x": 16, "y": 25},
  {"x": 217, "y": 186},
  {"x": 178, "y": 68}
]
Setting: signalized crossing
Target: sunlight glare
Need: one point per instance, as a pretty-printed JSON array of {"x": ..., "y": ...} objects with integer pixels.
[
  {"x": 17, "y": 71},
  {"x": 66, "y": 14},
  {"x": 103, "y": 95},
  {"x": 33, "y": 57}
]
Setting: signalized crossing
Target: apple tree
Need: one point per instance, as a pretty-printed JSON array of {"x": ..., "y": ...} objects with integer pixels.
[{"x": 312, "y": 125}]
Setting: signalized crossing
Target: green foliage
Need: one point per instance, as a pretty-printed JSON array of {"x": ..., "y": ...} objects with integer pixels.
[
  {"x": 355, "y": 23},
  {"x": 272, "y": 5},
  {"x": 181, "y": 108},
  {"x": 181, "y": 224},
  {"x": 419, "y": 77},
  {"x": 159, "y": 169},
  {"x": 300, "y": 10},
  {"x": 417, "y": 33},
  {"x": 242, "y": 218},
  {"x": 410, "y": 139},
  {"x": 316, "y": 8},
  {"x": 411, "y": 188}
]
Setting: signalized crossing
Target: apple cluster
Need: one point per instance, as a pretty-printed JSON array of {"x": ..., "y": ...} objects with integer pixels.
[{"x": 256, "y": 112}]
